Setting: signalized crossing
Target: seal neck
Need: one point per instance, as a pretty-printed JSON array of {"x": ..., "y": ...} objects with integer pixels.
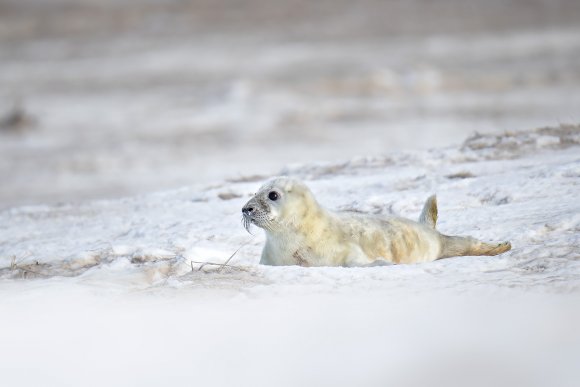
[{"x": 311, "y": 224}]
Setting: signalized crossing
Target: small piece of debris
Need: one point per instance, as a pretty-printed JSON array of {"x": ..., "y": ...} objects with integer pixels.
[
  {"x": 228, "y": 196},
  {"x": 460, "y": 175},
  {"x": 15, "y": 120}
]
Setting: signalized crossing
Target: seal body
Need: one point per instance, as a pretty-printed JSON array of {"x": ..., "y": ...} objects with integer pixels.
[{"x": 301, "y": 232}]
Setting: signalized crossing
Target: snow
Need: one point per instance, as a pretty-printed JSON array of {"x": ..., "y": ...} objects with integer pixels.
[
  {"x": 105, "y": 292},
  {"x": 369, "y": 102}
]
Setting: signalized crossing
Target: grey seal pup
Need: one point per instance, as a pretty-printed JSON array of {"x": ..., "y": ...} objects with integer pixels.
[{"x": 301, "y": 232}]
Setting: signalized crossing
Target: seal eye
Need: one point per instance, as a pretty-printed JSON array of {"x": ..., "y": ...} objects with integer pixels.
[{"x": 273, "y": 196}]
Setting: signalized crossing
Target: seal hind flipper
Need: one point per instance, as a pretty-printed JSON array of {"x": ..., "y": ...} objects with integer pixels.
[
  {"x": 455, "y": 246},
  {"x": 429, "y": 213}
]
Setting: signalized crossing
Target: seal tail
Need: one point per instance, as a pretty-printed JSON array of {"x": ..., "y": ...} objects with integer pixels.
[{"x": 429, "y": 213}]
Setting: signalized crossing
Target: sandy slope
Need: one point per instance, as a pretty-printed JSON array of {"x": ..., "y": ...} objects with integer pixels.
[{"x": 104, "y": 292}]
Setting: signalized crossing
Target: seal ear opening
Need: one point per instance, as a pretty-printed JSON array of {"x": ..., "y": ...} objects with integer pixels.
[{"x": 429, "y": 213}]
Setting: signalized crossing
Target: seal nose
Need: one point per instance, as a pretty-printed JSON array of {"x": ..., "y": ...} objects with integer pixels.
[{"x": 247, "y": 210}]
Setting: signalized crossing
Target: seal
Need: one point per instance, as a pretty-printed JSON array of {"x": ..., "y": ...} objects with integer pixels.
[{"x": 301, "y": 232}]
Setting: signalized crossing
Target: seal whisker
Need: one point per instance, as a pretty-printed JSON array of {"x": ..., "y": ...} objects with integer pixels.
[{"x": 246, "y": 222}]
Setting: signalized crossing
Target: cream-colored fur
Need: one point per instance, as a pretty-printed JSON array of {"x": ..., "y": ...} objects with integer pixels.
[{"x": 301, "y": 232}]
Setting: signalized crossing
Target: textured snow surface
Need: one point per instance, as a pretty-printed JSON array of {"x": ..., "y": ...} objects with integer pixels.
[{"x": 107, "y": 292}]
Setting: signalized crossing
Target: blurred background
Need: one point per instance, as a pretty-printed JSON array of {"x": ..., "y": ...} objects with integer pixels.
[{"x": 104, "y": 98}]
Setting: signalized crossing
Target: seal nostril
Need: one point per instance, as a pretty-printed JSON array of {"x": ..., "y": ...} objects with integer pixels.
[{"x": 247, "y": 210}]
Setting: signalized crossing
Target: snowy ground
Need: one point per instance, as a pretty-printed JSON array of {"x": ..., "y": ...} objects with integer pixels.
[
  {"x": 131, "y": 97},
  {"x": 105, "y": 292}
]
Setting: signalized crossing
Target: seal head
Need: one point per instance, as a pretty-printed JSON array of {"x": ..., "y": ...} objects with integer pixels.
[{"x": 277, "y": 205}]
